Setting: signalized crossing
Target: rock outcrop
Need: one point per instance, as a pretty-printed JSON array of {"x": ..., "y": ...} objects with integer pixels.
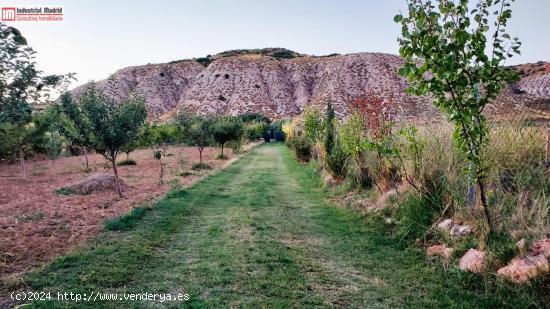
[{"x": 280, "y": 83}]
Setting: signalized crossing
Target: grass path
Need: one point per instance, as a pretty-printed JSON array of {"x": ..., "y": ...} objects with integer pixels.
[{"x": 259, "y": 234}]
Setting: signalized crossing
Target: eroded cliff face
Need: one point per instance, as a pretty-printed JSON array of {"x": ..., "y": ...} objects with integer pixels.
[{"x": 264, "y": 82}]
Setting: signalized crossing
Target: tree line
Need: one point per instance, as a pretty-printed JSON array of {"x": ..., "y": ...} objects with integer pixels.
[{"x": 31, "y": 124}]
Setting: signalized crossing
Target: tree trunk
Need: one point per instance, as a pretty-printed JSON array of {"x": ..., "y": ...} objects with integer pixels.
[
  {"x": 161, "y": 172},
  {"x": 200, "y": 155},
  {"x": 22, "y": 161},
  {"x": 222, "y": 149},
  {"x": 86, "y": 158},
  {"x": 483, "y": 200},
  {"x": 117, "y": 184}
]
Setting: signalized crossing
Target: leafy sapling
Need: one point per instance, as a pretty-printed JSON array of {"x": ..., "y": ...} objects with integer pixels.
[{"x": 444, "y": 44}]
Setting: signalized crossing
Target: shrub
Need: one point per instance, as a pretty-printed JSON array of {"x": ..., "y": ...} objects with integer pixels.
[
  {"x": 65, "y": 191},
  {"x": 352, "y": 138},
  {"x": 126, "y": 162},
  {"x": 205, "y": 61},
  {"x": 279, "y": 136},
  {"x": 313, "y": 124},
  {"x": 358, "y": 174},
  {"x": 502, "y": 247},
  {"x": 301, "y": 148},
  {"x": 283, "y": 54},
  {"x": 254, "y": 130},
  {"x": 201, "y": 166},
  {"x": 255, "y": 117},
  {"x": 221, "y": 156},
  {"x": 236, "y": 146},
  {"x": 267, "y": 137},
  {"x": 415, "y": 217},
  {"x": 126, "y": 221},
  {"x": 336, "y": 160}
]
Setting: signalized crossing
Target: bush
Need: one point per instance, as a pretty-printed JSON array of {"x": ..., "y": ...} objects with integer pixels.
[
  {"x": 205, "y": 61},
  {"x": 301, "y": 148},
  {"x": 222, "y": 157},
  {"x": 283, "y": 54},
  {"x": 126, "y": 162},
  {"x": 255, "y": 117},
  {"x": 201, "y": 166},
  {"x": 336, "y": 160},
  {"x": 65, "y": 191},
  {"x": 415, "y": 217},
  {"x": 254, "y": 130},
  {"x": 126, "y": 221},
  {"x": 352, "y": 137},
  {"x": 358, "y": 174},
  {"x": 502, "y": 247},
  {"x": 267, "y": 137},
  {"x": 279, "y": 136},
  {"x": 313, "y": 124}
]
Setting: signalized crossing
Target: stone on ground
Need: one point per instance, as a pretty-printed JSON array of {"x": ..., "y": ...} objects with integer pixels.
[
  {"x": 461, "y": 230},
  {"x": 541, "y": 247},
  {"x": 442, "y": 251},
  {"x": 446, "y": 224},
  {"x": 521, "y": 270},
  {"x": 473, "y": 261}
]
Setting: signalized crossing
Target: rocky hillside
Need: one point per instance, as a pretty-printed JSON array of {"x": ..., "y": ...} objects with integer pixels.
[{"x": 280, "y": 83}]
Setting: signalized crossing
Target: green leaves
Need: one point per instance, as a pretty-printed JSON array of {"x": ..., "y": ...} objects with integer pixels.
[
  {"x": 227, "y": 128},
  {"x": 397, "y": 18},
  {"x": 103, "y": 125},
  {"x": 450, "y": 41},
  {"x": 313, "y": 124}
]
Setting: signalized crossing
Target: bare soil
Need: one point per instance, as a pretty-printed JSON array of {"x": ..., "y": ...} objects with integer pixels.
[{"x": 37, "y": 224}]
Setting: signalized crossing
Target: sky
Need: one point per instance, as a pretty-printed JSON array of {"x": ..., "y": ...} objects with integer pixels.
[{"x": 97, "y": 37}]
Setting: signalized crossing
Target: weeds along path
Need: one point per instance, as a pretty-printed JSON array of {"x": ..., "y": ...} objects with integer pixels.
[{"x": 259, "y": 234}]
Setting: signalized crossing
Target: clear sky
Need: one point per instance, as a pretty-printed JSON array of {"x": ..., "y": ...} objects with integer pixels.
[{"x": 99, "y": 37}]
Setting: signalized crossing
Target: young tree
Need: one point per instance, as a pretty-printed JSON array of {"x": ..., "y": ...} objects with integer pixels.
[
  {"x": 46, "y": 137},
  {"x": 200, "y": 133},
  {"x": 160, "y": 137},
  {"x": 21, "y": 86},
  {"x": 313, "y": 124},
  {"x": 73, "y": 125},
  {"x": 110, "y": 125},
  {"x": 335, "y": 157},
  {"x": 352, "y": 134},
  {"x": 329, "y": 122},
  {"x": 226, "y": 129},
  {"x": 254, "y": 130},
  {"x": 444, "y": 47},
  {"x": 17, "y": 137}
]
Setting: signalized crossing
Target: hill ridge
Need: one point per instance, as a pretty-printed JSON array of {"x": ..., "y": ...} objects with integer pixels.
[{"x": 279, "y": 83}]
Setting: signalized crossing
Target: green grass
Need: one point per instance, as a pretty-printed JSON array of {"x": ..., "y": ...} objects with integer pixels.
[
  {"x": 64, "y": 191},
  {"x": 126, "y": 221},
  {"x": 262, "y": 234}
]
